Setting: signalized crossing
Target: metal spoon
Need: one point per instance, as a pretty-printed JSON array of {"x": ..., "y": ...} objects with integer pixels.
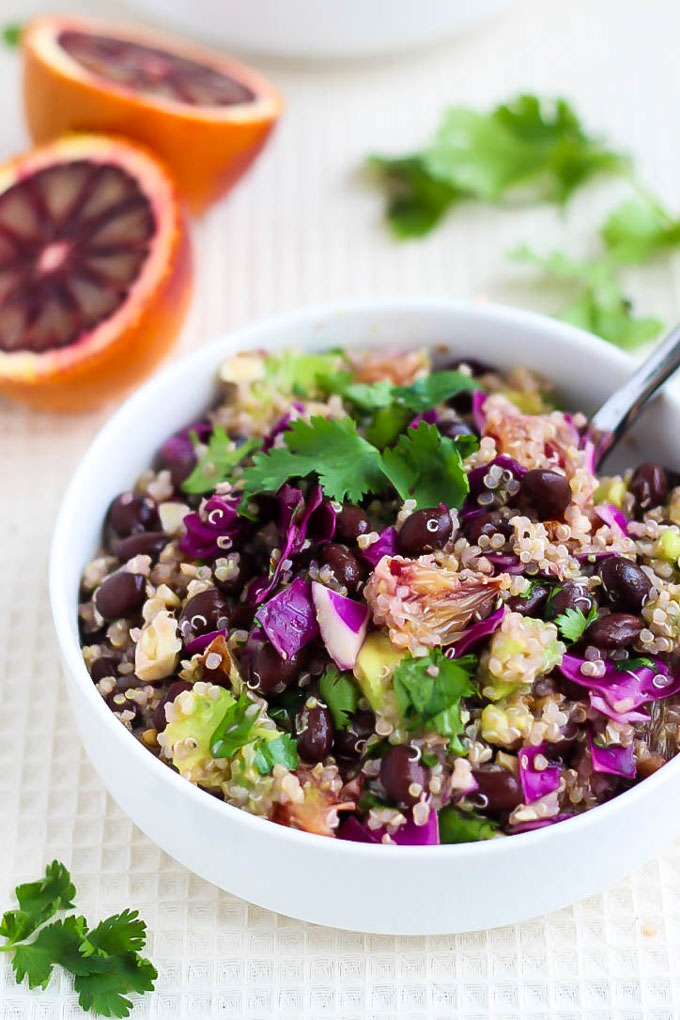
[{"x": 619, "y": 411}]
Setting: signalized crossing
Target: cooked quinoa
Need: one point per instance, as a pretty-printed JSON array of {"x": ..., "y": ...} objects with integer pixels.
[{"x": 384, "y": 597}]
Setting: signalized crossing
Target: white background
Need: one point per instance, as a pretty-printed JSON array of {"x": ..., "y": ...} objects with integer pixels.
[{"x": 300, "y": 229}]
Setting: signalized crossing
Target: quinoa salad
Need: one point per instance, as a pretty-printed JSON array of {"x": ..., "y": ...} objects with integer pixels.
[{"x": 384, "y": 597}]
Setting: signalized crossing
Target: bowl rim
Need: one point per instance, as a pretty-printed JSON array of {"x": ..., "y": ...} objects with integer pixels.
[{"x": 208, "y": 356}]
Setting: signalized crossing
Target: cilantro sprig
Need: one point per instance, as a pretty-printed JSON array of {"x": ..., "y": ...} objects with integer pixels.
[
  {"x": 340, "y": 693},
  {"x": 105, "y": 961},
  {"x": 218, "y": 462},
  {"x": 572, "y": 623},
  {"x": 424, "y": 465},
  {"x": 531, "y": 147},
  {"x": 429, "y": 690}
]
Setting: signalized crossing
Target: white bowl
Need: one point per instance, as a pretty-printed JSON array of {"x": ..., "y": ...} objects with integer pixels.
[
  {"x": 318, "y": 29},
  {"x": 391, "y": 890}
]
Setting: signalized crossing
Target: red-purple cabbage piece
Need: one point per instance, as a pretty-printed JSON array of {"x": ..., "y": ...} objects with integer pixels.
[
  {"x": 431, "y": 417},
  {"x": 478, "y": 416},
  {"x": 408, "y": 834},
  {"x": 386, "y": 545},
  {"x": 588, "y": 447},
  {"x": 342, "y": 622},
  {"x": 471, "y": 510},
  {"x": 356, "y": 832},
  {"x": 536, "y": 783},
  {"x": 476, "y": 633},
  {"x": 615, "y": 518},
  {"x": 505, "y": 563},
  {"x": 477, "y": 475},
  {"x": 288, "y": 618},
  {"x": 616, "y": 760},
  {"x": 213, "y": 530},
  {"x": 539, "y": 823},
  {"x": 600, "y": 705},
  {"x": 624, "y": 690},
  {"x": 282, "y": 425},
  {"x": 200, "y": 643},
  {"x": 298, "y": 515}
]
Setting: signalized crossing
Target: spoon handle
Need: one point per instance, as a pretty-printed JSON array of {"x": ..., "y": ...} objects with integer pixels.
[{"x": 620, "y": 410}]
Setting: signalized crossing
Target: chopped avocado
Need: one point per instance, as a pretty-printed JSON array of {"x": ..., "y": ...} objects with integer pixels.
[
  {"x": 521, "y": 650},
  {"x": 610, "y": 490},
  {"x": 529, "y": 401},
  {"x": 376, "y": 662},
  {"x": 186, "y": 738},
  {"x": 462, "y": 827},
  {"x": 668, "y": 546}
]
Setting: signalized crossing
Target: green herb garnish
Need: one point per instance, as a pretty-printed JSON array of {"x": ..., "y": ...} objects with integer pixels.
[
  {"x": 423, "y": 466},
  {"x": 11, "y": 34},
  {"x": 429, "y": 692},
  {"x": 235, "y": 729},
  {"x": 639, "y": 229},
  {"x": 629, "y": 665},
  {"x": 218, "y": 462},
  {"x": 340, "y": 693},
  {"x": 105, "y": 961},
  {"x": 598, "y": 303},
  {"x": 464, "y": 827},
  {"x": 533, "y": 147},
  {"x": 572, "y": 622},
  {"x": 279, "y": 751}
]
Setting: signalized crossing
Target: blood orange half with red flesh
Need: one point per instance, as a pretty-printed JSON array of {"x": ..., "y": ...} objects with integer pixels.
[
  {"x": 95, "y": 270},
  {"x": 206, "y": 115}
]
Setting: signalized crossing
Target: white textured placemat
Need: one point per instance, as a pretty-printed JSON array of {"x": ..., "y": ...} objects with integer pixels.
[{"x": 301, "y": 230}]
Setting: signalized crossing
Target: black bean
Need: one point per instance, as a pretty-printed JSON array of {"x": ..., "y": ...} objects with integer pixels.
[
  {"x": 401, "y": 774},
  {"x": 177, "y": 455},
  {"x": 618, "y": 630},
  {"x": 351, "y": 522},
  {"x": 570, "y": 595},
  {"x": 117, "y": 701},
  {"x": 451, "y": 428},
  {"x": 649, "y": 486},
  {"x": 120, "y": 595},
  {"x": 361, "y": 725},
  {"x": 159, "y": 720},
  {"x": 202, "y": 614},
  {"x": 492, "y": 523},
  {"x": 500, "y": 789},
  {"x": 145, "y": 543},
  {"x": 533, "y": 603},
  {"x": 345, "y": 566},
  {"x": 425, "y": 530},
  {"x": 625, "y": 584},
  {"x": 546, "y": 493},
  {"x": 266, "y": 671},
  {"x": 102, "y": 667},
  {"x": 244, "y": 570},
  {"x": 314, "y": 731},
  {"x": 130, "y": 514}
]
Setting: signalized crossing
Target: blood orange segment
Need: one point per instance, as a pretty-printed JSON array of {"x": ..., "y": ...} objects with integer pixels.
[
  {"x": 94, "y": 270},
  {"x": 206, "y": 115}
]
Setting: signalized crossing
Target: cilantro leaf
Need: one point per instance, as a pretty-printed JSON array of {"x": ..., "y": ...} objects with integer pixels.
[
  {"x": 599, "y": 304},
  {"x": 301, "y": 372},
  {"x": 630, "y": 665},
  {"x": 433, "y": 389},
  {"x": 218, "y": 462},
  {"x": 235, "y": 728},
  {"x": 11, "y": 34},
  {"x": 58, "y": 942},
  {"x": 427, "y": 467},
  {"x": 105, "y": 992},
  {"x": 347, "y": 465},
  {"x": 340, "y": 693},
  {"x": 572, "y": 622},
  {"x": 281, "y": 750},
  {"x": 120, "y": 933},
  {"x": 639, "y": 229},
  {"x": 416, "y": 200},
  {"x": 537, "y": 143},
  {"x": 464, "y": 827},
  {"x": 429, "y": 690},
  {"x": 38, "y": 901}
]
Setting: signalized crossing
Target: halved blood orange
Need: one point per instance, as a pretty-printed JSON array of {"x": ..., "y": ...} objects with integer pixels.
[
  {"x": 204, "y": 114},
  {"x": 95, "y": 270}
]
